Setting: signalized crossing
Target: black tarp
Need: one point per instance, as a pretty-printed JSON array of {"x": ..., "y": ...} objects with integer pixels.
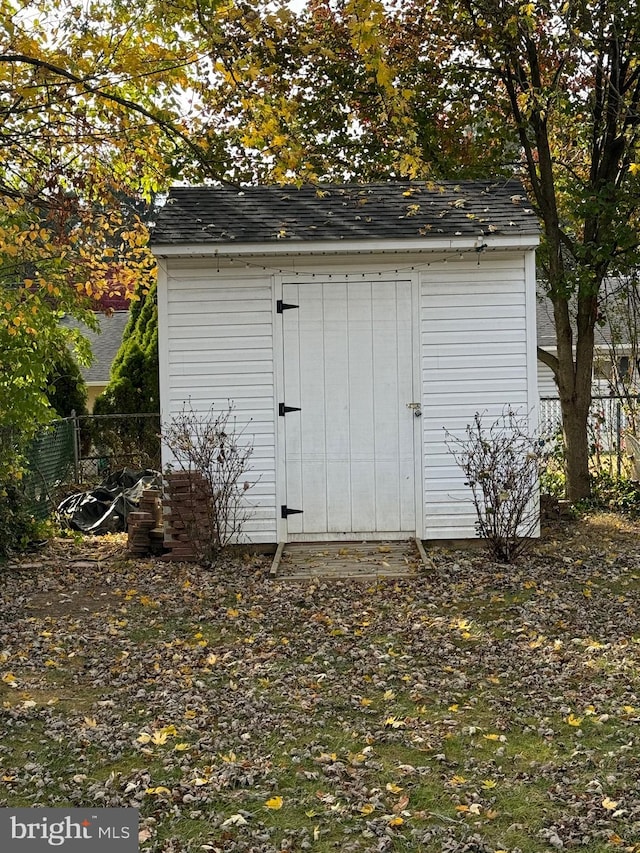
[{"x": 105, "y": 508}]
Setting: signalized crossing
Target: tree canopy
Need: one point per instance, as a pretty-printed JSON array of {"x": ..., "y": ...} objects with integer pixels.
[
  {"x": 549, "y": 91},
  {"x": 103, "y": 105},
  {"x": 89, "y": 120}
]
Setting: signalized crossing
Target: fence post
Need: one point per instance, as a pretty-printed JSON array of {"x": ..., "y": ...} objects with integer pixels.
[
  {"x": 618, "y": 438},
  {"x": 76, "y": 445}
]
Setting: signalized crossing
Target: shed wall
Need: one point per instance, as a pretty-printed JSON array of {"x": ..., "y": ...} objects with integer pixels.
[
  {"x": 220, "y": 341},
  {"x": 476, "y": 346},
  {"x": 217, "y": 349}
]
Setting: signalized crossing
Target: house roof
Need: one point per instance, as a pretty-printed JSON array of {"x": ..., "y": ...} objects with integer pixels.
[
  {"x": 104, "y": 344},
  {"x": 616, "y": 326},
  {"x": 288, "y": 214}
]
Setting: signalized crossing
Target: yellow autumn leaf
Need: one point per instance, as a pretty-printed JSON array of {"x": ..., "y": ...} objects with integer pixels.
[
  {"x": 573, "y": 720},
  {"x": 180, "y": 747},
  {"x": 144, "y": 737},
  {"x": 396, "y": 821},
  {"x": 159, "y": 790},
  {"x": 491, "y": 737},
  {"x": 395, "y": 789},
  {"x": 90, "y": 722},
  {"x": 159, "y": 738},
  {"x": 274, "y": 803},
  {"x": 388, "y": 695},
  {"x": 609, "y": 804},
  {"x": 232, "y": 613},
  {"x": 365, "y": 702},
  {"x": 9, "y": 678},
  {"x": 457, "y": 780},
  {"x": 462, "y": 809},
  {"x": 488, "y": 784},
  {"x": 367, "y": 808},
  {"x": 394, "y": 723}
]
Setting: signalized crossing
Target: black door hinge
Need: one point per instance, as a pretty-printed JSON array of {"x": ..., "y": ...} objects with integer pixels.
[
  {"x": 282, "y": 409},
  {"x": 285, "y": 511},
  {"x": 284, "y": 306}
]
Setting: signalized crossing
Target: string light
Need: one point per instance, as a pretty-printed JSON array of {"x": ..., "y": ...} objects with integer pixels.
[{"x": 477, "y": 250}]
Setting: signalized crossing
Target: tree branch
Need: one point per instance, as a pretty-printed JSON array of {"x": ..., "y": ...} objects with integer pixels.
[{"x": 165, "y": 125}]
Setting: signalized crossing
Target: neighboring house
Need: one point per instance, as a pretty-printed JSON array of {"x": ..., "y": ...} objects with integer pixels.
[
  {"x": 616, "y": 361},
  {"x": 350, "y": 326},
  {"x": 104, "y": 346},
  {"x": 616, "y": 377}
]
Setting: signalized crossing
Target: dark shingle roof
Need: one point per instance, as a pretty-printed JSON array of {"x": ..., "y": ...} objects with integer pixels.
[
  {"x": 104, "y": 344},
  {"x": 402, "y": 210}
]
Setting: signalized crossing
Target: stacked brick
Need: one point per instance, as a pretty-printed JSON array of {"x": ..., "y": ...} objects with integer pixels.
[
  {"x": 187, "y": 524},
  {"x": 144, "y": 525}
]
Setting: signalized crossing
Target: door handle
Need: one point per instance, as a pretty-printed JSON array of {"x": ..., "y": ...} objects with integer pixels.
[{"x": 416, "y": 408}]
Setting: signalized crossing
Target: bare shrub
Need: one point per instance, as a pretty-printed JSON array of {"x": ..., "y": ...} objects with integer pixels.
[
  {"x": 211, "y": 448},
  {"x": 501, "y": 464}
]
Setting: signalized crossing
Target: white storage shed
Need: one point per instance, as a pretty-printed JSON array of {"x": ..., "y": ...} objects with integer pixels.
[{"x": 349, "y": 326}]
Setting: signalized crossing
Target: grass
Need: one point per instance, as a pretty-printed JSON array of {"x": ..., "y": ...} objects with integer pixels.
[{"x": 483, "y": 706}]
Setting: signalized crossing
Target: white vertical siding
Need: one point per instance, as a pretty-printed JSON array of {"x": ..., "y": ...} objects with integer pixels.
[
  {"x": 476, "y": 331},
  {"x": 217, "y": 348},
  {"x": 475, "y": 345}
]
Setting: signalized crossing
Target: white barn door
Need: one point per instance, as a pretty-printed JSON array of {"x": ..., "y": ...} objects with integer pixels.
[{"x": 349, "y": 440}]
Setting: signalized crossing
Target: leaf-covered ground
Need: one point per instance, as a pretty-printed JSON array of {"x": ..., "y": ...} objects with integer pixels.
[{"x": 476, "y": 708}]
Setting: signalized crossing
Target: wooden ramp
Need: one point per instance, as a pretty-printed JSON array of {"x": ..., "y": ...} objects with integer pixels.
[{"x": 338, "y": 560}]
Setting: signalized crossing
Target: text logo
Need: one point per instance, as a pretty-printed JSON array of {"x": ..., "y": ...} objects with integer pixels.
[{"x": 36, "y": 830}]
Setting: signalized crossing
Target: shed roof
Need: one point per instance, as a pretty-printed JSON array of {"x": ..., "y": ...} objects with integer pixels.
[{"x": 399, "y": 210}]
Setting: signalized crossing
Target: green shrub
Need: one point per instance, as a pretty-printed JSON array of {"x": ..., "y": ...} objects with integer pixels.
[
  {"x": 553, "y": 482},
  {"x": 18, "y": 527},
  {"x": 613, "y": 494}
]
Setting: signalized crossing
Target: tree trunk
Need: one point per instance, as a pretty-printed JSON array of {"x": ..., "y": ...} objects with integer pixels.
[
  {"x": 574, "y": 421},
  {"x": 574, "y": 376}
]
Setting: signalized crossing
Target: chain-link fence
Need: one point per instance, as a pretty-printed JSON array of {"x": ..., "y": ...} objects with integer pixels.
[
  {"x": 72, "y": 454},
  {"x": 50, "y": 462},
  {"x": 107, "y": 443}
]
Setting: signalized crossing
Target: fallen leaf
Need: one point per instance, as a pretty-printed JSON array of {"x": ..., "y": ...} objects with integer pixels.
[{"x": 234, "y": 820}]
